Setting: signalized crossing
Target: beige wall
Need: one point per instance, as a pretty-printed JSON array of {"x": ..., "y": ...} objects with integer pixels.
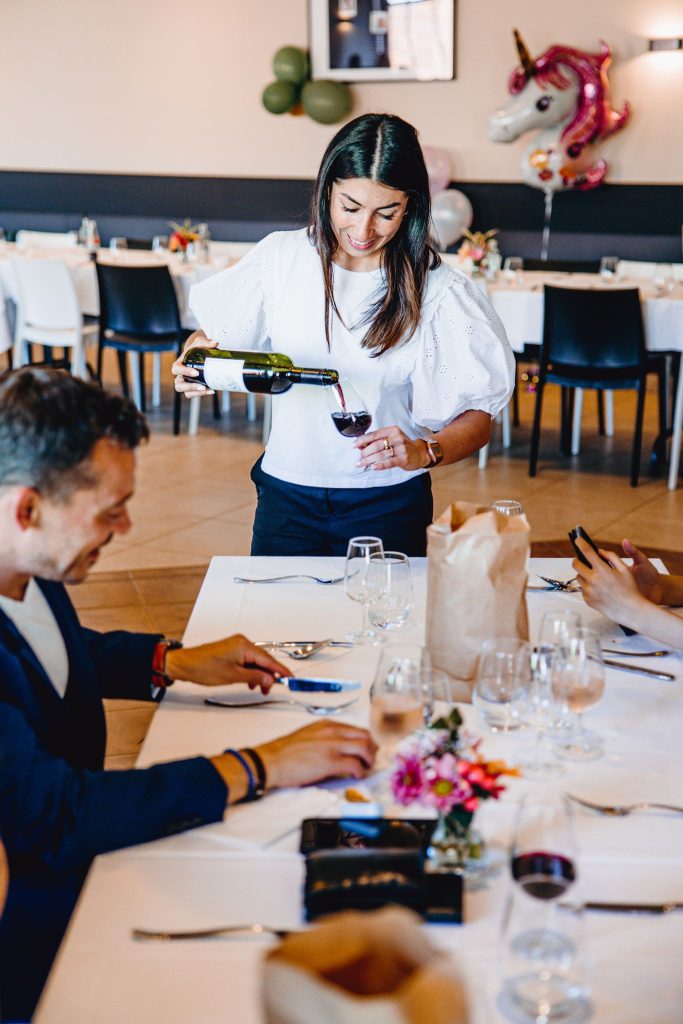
[{"x": 171, "y": 87}]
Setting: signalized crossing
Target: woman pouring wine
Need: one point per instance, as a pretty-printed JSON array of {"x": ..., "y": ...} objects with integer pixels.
[{"x": 421, "y": 355}]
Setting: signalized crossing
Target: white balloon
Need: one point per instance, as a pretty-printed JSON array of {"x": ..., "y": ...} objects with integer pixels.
[{"x": 451, "y": 215}]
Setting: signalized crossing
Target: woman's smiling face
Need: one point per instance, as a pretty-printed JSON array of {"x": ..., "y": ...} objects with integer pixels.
[{"x": 365, "y": 216}]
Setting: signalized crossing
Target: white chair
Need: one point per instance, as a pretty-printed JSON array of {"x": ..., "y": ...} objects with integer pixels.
[
  {"x": 47, "y": 239},
  {"x": 503, "y": 418},
  {"x": 48, "y": 312}
]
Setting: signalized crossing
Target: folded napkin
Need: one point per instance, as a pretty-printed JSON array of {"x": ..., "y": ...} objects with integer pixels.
[
  {"x": 265, "y": 821},
  {"x": 365, "y": 968}
]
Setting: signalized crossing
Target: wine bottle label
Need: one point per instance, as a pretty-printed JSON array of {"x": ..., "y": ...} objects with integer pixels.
[{"x": 224, "y": 374}]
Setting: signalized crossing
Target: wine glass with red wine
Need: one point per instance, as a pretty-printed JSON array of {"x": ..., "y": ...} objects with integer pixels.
[
  {"x": 348, "y": 410},
  {"x": 543, "y": 862}
]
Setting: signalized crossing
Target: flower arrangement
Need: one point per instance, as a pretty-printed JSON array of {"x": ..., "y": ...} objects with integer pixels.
[
  {"x": 443, "y": 767},
  {"x": 474, "y": 250},
  {"x": 182, "y": 235}
]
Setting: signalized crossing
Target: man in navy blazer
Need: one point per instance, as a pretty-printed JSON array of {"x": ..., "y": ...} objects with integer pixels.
[{"x": 67, "y": 459}]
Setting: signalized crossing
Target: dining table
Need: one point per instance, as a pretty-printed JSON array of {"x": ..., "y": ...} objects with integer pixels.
[{"x": 248, "y": 868}]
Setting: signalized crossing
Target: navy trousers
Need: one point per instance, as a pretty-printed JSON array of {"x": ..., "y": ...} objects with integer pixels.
[{"x": 295, "y": 520}]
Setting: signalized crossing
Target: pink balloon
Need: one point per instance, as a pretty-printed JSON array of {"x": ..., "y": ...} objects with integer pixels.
[{"x": 439, "y": 168}]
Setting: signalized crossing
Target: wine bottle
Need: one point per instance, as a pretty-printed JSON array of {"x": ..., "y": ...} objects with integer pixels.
[{"x": 265, "y": 373}]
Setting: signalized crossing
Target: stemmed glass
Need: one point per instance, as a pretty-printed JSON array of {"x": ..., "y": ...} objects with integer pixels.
[
  {"x": 401, "y": 699},
  {"x": 390, "y": 590},
  {"x": 609, "y": 269},
  {"x": 513, "y": 270},
  {"x": 542, "y": 983},
  {"x": 349, "y": 412},
  {"x": 541, "y": 711},
  {"x": 663, "y": 278},
  {"x": 578, "y": 680},
  {"x": 502, "y": 683},
  {"x": 358, "y": 555}
]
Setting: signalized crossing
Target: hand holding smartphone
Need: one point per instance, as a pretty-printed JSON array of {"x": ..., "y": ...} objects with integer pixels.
[{"x": 577, "y": 532}]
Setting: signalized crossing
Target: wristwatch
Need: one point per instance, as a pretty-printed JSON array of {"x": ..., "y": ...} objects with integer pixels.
[
  {"x": 434, "y": 451},
  {"x": 159, "y": 678}
]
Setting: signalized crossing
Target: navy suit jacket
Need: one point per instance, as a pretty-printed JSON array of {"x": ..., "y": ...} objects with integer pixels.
[{"x": 58, "y": 808}]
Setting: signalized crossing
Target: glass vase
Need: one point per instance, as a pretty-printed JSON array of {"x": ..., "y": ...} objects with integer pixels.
[{"x": 457, "y": 845}]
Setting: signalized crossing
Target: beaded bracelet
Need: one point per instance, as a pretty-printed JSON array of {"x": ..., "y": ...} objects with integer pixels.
[{"x": 251, "y": 793}]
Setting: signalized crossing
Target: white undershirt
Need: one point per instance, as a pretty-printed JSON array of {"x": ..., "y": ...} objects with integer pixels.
[{"x": 35, "y": 621}]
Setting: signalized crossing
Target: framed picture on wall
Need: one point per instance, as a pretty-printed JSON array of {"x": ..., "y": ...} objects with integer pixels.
[{"x": 382, "y": 40}]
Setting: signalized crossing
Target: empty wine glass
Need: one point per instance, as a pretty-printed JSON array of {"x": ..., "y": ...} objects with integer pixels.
[
  {"x": 358, "y": 556},
  {"x": 507, "y": 507},
  {"x": 160, "y": 244},
  {"x": 578, "y": 680},
  {"x": 118, "y": 242},
  {"x": 663, "y": 278},
  {"x": 609, "y": 269},
  {"x": 541, "y": 711},
  {"x": 558, "y": 626},
  {"x": 513, "y": 270},
  {"x": 390, "y": 590},
  {"x": 503, "y": 679}
]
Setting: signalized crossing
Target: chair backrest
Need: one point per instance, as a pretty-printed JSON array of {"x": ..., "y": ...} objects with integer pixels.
[
  {"x": 138, "y": 301},
  {"x": 593, "y": 330},
  {"x": 568, "y": 266},
  {"x": 139, "y": 243},
  {"x": 47, "y": 295},
  {"x": 47, "y": 239}
]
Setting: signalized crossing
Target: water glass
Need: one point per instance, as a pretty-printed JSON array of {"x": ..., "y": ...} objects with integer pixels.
[
  {"x": 358, "y": 555},
  {"x": 609, "y": 269},
  {"x": 542, "y": 712},
  {"x": 502, "y": 683},
  {"x": 513, "y": 270},
  {"x": 507, "y": 507},
  {"x": 390, "y": 590},
  {"x": 160, "y": 244},
  {"x": 663, "y": 278},
  {"x": 401, "y": 700},
  {"x": 118, "y": 242},
  {"x": 578, "y": 680}
]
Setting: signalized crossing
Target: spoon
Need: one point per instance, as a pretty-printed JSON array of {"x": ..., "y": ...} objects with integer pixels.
[{"x": 313, "y": 709}]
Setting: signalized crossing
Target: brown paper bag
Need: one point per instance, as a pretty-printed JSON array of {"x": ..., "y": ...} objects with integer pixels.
[
  {"x": 476, "y": 587},
  {"x": 362, "y": 968}
]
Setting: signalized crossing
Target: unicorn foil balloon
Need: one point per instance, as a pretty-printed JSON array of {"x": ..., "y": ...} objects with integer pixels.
[{"x": 564, "y": 94}]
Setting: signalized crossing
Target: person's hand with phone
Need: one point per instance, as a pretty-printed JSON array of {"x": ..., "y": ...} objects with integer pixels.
[{"x": 616, "y": 590}]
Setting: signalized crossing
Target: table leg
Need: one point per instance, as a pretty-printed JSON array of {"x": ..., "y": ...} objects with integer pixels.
[{"x": 676, "y": 437}]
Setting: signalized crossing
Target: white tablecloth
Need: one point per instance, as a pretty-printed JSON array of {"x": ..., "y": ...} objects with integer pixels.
[{"x": 238, "y": 872}]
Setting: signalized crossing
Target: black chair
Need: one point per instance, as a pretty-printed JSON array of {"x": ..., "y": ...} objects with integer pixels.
[
  {"x": 594, "y": 339},
  {"x": 138, "y": 313}
]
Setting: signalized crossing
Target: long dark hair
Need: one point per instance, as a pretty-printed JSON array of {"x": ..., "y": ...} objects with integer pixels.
[{"x": 383, "y": 148}]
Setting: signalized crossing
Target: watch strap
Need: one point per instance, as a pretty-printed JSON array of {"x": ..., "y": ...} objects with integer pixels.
[{"x": 160, "y": 679}]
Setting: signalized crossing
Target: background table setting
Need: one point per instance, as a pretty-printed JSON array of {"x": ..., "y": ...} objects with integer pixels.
[{"x": 247, "y": 869}]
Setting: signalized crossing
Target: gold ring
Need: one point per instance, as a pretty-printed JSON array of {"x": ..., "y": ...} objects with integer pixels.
[{"x": 386, "y": 444}]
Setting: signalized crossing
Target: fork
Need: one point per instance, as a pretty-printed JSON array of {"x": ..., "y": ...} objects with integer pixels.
[
  {"x": 292, "y": 576},
  {"x": 621, "y": 810},
  {"x": 209, "y": 933},
  {"x": 313, "y": 709},
  {"x": 561, "y": 584}
]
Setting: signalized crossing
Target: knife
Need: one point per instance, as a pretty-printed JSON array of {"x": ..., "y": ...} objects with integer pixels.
[
  {"x": 627, "y": 908},
  {"x": 639, "y": 671},
  {"x": 301, "y": 643},
  {"x": 312, "y": 684}
]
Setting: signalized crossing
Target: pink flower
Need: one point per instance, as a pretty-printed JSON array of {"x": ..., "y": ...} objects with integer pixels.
[
  {"x": 470, "y": 804},
  {"x": 407, "y": 782},
  {"x": 444, "y": 787}
]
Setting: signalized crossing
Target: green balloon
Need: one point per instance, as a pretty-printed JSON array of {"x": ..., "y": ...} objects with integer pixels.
[
  {"x": 326, "y": 101},
  {"x": 279, "y": 97},
  {"x": 290, "y": 64}
]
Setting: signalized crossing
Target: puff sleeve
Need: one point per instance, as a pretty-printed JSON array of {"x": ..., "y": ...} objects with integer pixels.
[
  {"x": 463, "y": 358},
  {"x": 232, "y": 307}
]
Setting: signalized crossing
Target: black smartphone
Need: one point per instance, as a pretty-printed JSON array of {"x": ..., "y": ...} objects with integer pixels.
[{"x": 579, "y": 531}]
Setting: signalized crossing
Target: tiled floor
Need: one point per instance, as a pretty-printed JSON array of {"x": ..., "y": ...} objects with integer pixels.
[{"x": 195, "y": 499}]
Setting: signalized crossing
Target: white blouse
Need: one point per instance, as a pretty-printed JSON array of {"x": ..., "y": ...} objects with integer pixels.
[{"x": 273, "y": 299}]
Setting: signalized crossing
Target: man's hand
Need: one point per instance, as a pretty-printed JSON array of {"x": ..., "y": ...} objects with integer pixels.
[
  {"x": 647, "y": 578},
  {"x": 324, "y": 750},
  {"x": 234, "y": 660},
  {"x": 610, "y": 589}
]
